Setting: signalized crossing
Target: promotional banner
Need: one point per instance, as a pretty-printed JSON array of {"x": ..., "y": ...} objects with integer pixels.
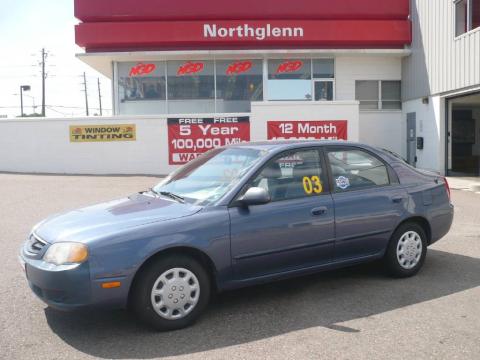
[
  {"x": 190, "y": 137},
  {"x": 307, "y": 130},
  {"x": 99, "y": 133}
]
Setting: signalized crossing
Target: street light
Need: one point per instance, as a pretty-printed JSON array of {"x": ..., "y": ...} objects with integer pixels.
[{"x": 22, "y": 89}]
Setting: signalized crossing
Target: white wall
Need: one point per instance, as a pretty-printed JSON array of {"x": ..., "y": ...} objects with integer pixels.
[
  {"x": 43, "y": 145},
  {"x": 351, "y": 68},
  {"x": 301, "y": 110},
  {"x": 385, "y": 129},
  {"x": 430, "y": 125}
]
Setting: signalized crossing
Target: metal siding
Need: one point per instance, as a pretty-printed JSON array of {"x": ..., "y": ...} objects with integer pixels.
[{"x": 439, "y": 63}]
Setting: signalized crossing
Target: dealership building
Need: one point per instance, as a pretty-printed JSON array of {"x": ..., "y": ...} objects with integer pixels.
[{"x": 188, "y": 76}]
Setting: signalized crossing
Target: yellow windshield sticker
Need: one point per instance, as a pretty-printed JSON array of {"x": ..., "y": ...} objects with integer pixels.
[{"x": 312, "y": 185}]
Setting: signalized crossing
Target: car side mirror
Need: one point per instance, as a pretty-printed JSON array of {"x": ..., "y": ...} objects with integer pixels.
[{"x": 254, "y": 196}]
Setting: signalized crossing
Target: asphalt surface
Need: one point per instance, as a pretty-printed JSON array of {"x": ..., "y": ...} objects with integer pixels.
[{"x": 355, "y": 313}]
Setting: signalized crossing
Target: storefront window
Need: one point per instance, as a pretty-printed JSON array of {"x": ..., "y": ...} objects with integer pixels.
[
  {"x": 323, "y": 90},
  {"x": 221, "y": 86},
  {"x": 142, "y": 87},
  {"x": 323, "y": 69},
  {"x": 238, "y": 83},
  {"x": 191, "y": 87},
  {"x": 289, "y": 79}
]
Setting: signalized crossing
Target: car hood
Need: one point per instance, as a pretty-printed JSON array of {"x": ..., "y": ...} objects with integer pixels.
[{"x": 108, "y": 218}]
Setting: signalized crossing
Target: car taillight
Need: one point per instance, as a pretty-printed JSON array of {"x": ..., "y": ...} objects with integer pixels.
[{"x": 447, "y": 187}]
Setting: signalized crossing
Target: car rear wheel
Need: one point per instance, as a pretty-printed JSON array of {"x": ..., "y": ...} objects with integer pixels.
[
  {"x": 171, "y": 292},
  {"x": 406, "y": 251}
]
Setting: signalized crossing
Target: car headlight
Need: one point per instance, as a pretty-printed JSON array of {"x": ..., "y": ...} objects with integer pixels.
[{"x": 66, "y": 253}]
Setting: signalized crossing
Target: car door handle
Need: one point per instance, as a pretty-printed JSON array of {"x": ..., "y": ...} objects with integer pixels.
[
  {"x": 398, "y": 199},
  {"x": 319, "y": 210}
]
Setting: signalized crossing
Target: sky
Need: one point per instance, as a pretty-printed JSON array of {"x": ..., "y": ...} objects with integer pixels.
[{"x": 26, "y": 26}]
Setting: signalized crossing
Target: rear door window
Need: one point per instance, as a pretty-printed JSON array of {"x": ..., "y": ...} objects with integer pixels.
[{"x": 354, "y": 169}]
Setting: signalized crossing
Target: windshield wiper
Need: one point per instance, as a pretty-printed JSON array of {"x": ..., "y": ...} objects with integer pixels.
[
  {"x": 150, "y": 190},
  {"x": 172, "y": 196}
]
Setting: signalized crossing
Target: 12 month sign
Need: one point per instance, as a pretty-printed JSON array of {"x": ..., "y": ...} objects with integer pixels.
[
  {"x": 191, "y": 137},
  {"x": 307, "y": 130}
]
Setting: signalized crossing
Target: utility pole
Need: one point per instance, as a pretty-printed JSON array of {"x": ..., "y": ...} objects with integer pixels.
[
  {"x": 86, "y": 94},
  {"x": 21, "y": 102},
  {"x": 44, "y": 76},
  {"x": 99, "y": 96},
  {"x": 22, "y": 89}
]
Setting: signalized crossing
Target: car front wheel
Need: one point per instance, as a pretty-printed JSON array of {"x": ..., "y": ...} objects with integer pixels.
[
  {"x": 406, "y": 251},
  {"x": 171, "y": 292}
]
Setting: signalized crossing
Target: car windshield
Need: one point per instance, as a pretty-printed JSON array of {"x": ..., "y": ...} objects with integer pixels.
[{"x": 207, "y": 178}]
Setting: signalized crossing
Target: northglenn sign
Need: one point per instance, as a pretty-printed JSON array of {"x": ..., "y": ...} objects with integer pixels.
[
  {"x": 247, "y": 31},
  {"x": 251, "y": 34}
]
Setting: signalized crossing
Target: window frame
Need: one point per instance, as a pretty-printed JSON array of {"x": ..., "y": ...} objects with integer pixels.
[
  {"x": 379, "y": 99},
  {"x": 469, "y": 24},
  {"x": 319, "y": 79},
  {"x": 230, "y": 61},
  {"x": 308, "y": 63},
  {"x": 265, "y": 79},
  {"x": 392, "y": 178},
  {"x": 315, "y": 80},
  {"x": 322, "y": 163}
]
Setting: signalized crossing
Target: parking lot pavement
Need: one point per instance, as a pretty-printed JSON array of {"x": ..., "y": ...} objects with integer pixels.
[{"x": 355, "y": 313}]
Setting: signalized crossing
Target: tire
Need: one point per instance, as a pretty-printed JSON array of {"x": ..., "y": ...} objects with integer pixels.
[
  {"x": 180, "y": 282},
  {"x": 406, "y": 250}
]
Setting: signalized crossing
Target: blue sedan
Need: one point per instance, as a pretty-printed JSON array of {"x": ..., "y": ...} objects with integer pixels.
[{"x": 237, "y": 216}]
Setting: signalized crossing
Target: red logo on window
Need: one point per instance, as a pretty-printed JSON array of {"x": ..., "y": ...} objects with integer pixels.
[
  {"x": 289, "y": 66},
  {"x": 239, "y": 67},
  {"x": 142, "y": 69},
  {"x": 190, "y": 68}
]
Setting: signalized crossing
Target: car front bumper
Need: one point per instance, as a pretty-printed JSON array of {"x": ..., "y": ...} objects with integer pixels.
[
  {"x": 72, "y": 287},
  {"x": 65, "y": 287}
]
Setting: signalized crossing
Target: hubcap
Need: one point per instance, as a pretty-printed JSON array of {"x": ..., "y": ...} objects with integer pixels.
[
  {"x": 175, "y": 293},
  {"x": 409, "y": 249}
]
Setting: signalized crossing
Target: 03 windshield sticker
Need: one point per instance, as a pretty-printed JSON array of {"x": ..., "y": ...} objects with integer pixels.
[
  {"x": 342, "y": 182},
  {"x": 312, "y": 185}
]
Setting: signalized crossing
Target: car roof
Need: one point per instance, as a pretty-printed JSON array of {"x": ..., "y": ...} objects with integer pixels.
[{"x": 288, "y": 144}]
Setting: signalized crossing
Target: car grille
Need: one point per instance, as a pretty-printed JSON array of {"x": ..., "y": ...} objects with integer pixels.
[{"x": 35, "y": 244}]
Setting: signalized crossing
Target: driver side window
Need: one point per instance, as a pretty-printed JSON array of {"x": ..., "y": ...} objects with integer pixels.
[
  {"x": 354, "y": 169},
  {"x": 292, "y": 175}
]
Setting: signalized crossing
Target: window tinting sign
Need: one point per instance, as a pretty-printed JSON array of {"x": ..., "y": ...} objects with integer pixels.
[{"x": 102, "y": 133}]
